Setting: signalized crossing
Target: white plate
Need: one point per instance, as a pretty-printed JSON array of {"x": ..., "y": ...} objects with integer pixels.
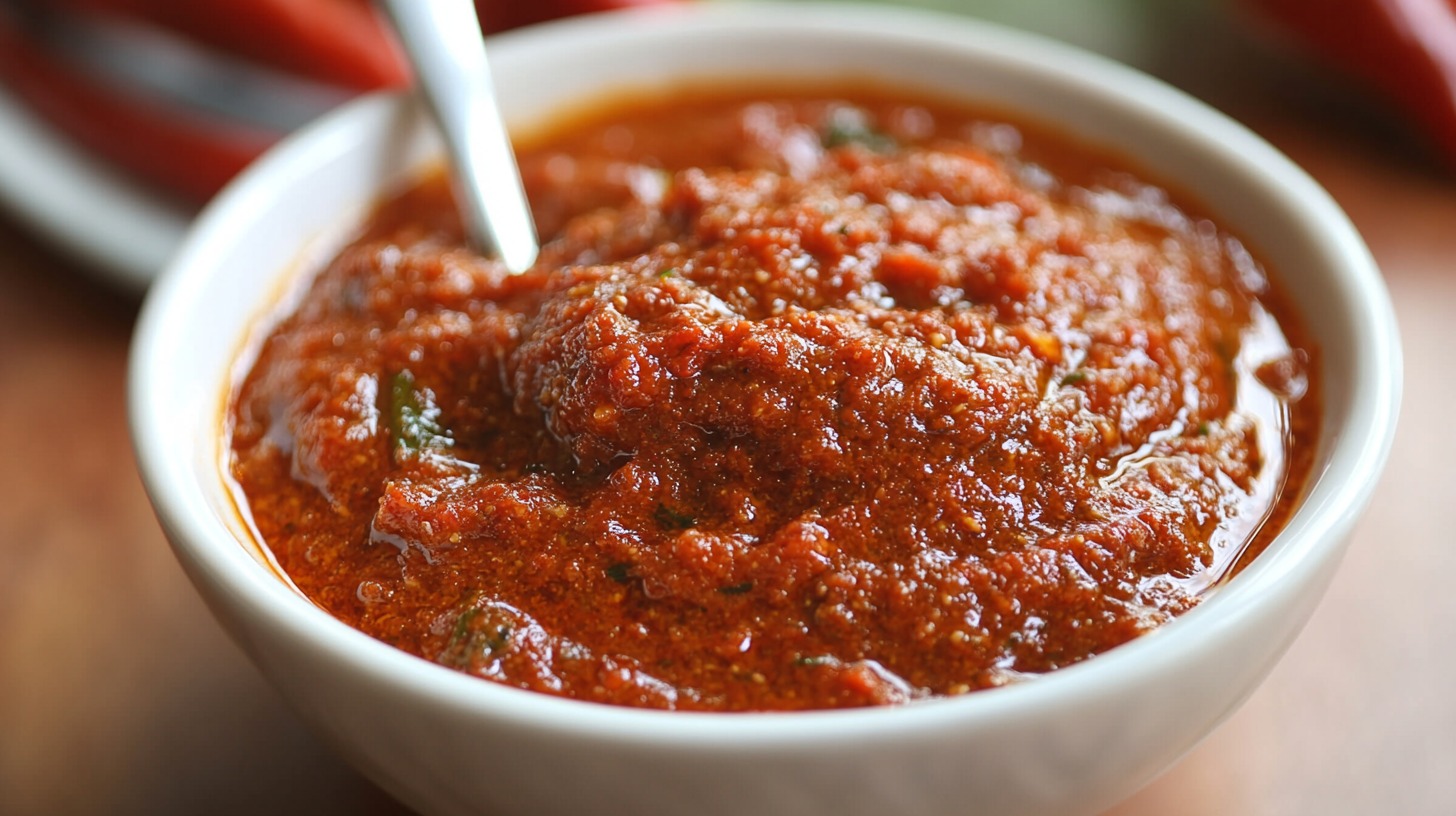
[{"x": 118, "y": 228}]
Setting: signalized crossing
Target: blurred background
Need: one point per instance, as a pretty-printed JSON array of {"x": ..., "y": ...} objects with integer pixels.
[{"x": 119, "y": 118}]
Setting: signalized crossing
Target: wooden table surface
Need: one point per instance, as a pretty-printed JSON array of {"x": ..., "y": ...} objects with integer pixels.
[{"x": 119, "y": 695}]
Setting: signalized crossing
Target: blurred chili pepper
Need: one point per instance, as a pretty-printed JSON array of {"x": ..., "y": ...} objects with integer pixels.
[
  {"x": 340, "y": 41},
  {"x": 171, "y": 143},
  {"x": 500, "y": 15},
  {"x": 180, "y": 151},
  {"x": 1405, "y": 50}
]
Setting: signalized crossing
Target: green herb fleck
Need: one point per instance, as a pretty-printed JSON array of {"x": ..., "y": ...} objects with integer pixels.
[
  {"x": 479, "y": 633},
  {"x": 621, "y": 572},
  {"x": 847, "y": 126},
  {"x": 414, "y": 418},
  {"x": 736, "y": 589},
  {"x": 670, "y": 519},
  {"x": 1203, "y": 429},
  {"x": 497, "y": 637},
  {"x": 667, "y": 273},
  {"x": 462, "y": 626},
  {"x": 1074, "y": 378}
]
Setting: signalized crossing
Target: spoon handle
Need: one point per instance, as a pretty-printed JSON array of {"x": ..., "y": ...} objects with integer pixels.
[{"x": 443, "y": 41}]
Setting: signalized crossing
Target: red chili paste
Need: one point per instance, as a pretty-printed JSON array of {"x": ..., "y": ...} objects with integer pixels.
[{"x": 811, "y": 401}]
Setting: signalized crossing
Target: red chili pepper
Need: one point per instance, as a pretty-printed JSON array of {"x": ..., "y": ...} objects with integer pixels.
[
  {"x": 500, "y": 15},
  {"x": 342, "y": 42},
  {"x": 189, "y": 155},
  {"x": 1405, "y": 50}
]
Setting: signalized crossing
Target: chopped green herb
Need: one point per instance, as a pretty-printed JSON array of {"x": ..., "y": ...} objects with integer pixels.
[
  {"x": 848, "y": 126},
  {"x": 670, "y": 519},
  {"x": 1203, "y": 429},
  {"x": 1074, "y": 378},
  {"x": 479, "y": 633},
  {"x": 497, "y": 637},
  {"x": 414, "y": 418},
  {"x": 736, "y": 589},
  {"x": 667, "y": 273},
  {"x": 621, "y": 572},
  {"x": 462, "y": 626}
]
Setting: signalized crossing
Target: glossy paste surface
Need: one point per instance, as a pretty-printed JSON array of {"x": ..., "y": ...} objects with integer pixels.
[{"x": 813, "y": 400}]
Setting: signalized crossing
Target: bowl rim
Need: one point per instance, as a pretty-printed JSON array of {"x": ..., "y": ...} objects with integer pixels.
[{"x": 1312, "y": 536}]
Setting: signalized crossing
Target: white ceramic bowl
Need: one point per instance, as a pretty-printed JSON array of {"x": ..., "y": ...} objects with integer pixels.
[{"x": 1074, "y": 741}]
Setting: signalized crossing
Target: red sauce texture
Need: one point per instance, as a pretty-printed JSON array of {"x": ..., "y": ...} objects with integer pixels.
[{"x": 813, "y": 400}]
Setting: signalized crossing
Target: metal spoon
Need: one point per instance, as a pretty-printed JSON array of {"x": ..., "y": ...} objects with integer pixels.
[{"x": 443, "y": 41}]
